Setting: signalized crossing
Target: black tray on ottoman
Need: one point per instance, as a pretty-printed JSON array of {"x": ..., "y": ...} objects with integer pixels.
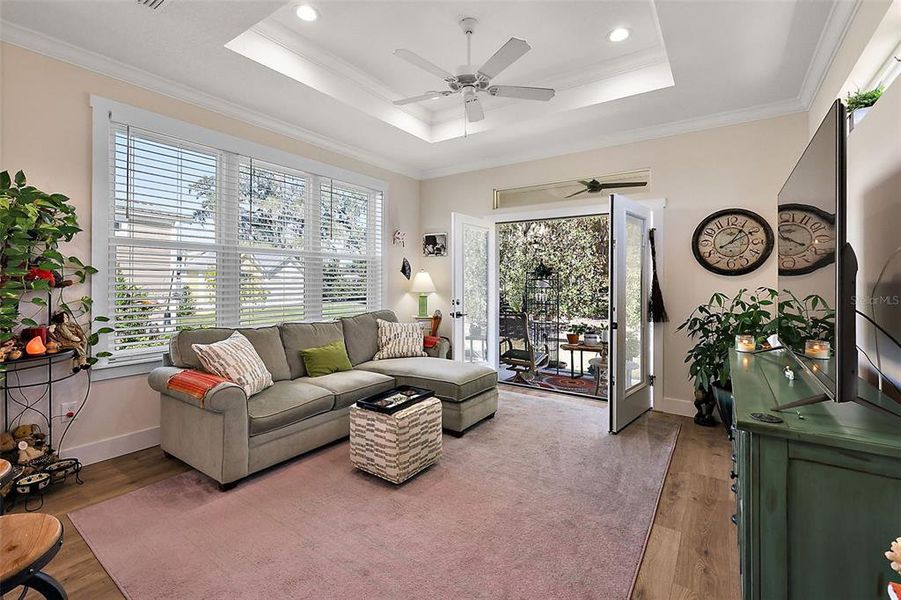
[{"x": 396, "y": 399}]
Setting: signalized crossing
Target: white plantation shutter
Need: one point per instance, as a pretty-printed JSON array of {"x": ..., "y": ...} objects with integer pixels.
[{"x": 202, "y": 237}]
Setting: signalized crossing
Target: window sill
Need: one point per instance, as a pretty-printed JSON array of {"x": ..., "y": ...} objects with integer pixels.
[{"x": 130, "y": 369}]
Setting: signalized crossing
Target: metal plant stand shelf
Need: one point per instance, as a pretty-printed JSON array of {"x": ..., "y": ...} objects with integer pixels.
[{"x": 11, "y": 382}]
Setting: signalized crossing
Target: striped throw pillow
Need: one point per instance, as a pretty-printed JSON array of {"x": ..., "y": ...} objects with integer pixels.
[
  {"x": 235, "y": 359},
  {"x": 399, "y": 340}
]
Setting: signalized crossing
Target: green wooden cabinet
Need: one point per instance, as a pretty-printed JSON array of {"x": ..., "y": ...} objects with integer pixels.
[{"x": 818, "y": 497}]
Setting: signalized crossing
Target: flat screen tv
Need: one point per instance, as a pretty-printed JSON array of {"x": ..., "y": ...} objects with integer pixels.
[{"x": 817, "y": 266}]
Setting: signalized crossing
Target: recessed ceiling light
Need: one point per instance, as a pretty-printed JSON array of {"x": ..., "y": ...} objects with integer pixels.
[
  {"x": 618, "y": 35},
  {"x": 305, "y": 12}
]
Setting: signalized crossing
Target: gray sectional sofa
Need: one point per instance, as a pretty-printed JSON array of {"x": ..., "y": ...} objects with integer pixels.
[{"x": 231, "y": 436}]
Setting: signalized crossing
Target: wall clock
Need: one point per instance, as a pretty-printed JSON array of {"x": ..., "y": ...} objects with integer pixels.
[
  {"x": 733, "y": 241},
  {"x": 806, "y": 239}
]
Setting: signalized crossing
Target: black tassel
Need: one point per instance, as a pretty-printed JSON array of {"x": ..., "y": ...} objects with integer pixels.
[{"x": 656, "y": 308}]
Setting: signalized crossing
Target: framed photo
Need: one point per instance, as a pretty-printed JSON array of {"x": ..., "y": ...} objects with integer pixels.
[{"x": 434, "y": 244}]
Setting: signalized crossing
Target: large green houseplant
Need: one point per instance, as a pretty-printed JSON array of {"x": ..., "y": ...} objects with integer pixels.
[
  {"x": 34, "y": 272},
  {"x": 713, "y": 327}
]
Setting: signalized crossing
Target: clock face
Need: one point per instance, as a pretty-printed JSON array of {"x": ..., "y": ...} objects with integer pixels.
[
  {"x": 806, "y": 239},
  {"x": 734, "y": 241}
]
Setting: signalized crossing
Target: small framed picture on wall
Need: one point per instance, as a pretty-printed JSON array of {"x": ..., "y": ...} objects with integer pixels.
[{"x": 434, "y": 244}]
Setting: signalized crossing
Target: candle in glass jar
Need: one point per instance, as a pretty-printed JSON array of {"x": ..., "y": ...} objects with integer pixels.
[
  {"x": 816, "y": 349},
  {"x": 745, "y": 343}
]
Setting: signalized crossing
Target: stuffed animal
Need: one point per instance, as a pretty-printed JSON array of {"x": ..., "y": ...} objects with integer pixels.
[
  {"x": 28, "y": 453},
  {"x": 7, "y": 443},
  {"x": 31, "y": 434}
]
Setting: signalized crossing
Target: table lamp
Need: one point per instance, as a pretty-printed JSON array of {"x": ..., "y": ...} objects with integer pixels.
[{"x": 423, "y": 285}]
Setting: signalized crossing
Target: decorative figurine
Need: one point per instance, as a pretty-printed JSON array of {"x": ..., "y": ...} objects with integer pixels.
[{"x": 789, "y": 374}]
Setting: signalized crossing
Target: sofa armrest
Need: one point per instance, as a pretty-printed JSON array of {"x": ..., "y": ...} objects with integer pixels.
[
  {"x": 224, "y": 397},
  {"x": 440, "y": 350}
]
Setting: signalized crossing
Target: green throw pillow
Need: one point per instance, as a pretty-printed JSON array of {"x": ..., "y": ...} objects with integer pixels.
[{"x": 323, "y": 360}]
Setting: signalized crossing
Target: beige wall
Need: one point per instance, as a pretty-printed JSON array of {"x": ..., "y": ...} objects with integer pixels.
[
  {"x": 45, "y": 130},
  {"x": 874, "y": 215},
  {"x": 697, "y": 173},
  {"x": 835, "y": 84}
]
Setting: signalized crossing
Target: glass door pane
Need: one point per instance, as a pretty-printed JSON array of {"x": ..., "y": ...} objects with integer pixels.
[
  {"x": 475, "y": 293},
  {"x": 472, "y": 302},
  {"x": 636, "y": 303}
]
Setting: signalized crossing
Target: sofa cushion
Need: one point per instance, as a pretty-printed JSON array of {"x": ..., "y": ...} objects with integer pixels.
[
  {"x": 399, "y": 340},
  {"x": 236, "y": 360},
  {"x": 300, "y": 336},
  {"x": 361, "y": 334},
  {"x": 451, "y": 380},
  {"x": 331, "y": 358},
  {"x": 286, "y": 402},
  {"x": 265, "y": 340},
  {"x": 350, "y": 386}
]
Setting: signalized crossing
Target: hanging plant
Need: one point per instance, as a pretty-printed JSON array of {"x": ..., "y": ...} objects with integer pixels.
[{"x": 32, "y": 267}]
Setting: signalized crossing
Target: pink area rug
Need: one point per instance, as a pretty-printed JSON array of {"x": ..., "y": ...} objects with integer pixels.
[{"x": 539, "y": 502}]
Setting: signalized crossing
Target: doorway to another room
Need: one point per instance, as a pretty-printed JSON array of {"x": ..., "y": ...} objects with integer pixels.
[{"x": 553, "y": 303}]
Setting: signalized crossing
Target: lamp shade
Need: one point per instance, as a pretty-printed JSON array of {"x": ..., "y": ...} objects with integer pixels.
[{"x": 422, "y": 283}]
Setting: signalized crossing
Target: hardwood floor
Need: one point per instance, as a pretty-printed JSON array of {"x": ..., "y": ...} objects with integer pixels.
[{"x": 692, "y": 552}]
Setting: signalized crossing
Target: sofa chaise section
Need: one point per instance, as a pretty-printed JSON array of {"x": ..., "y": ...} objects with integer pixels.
[{"x": 468, "y": 391}]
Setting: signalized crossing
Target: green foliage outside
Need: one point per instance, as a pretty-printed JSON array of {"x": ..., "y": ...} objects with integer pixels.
[{"x": 575, "y": 248}]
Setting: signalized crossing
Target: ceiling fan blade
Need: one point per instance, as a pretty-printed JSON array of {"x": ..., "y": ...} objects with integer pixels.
[
  {"x": 426, "y": 96},
  {"x": 474, "y": 110},
  {"x": 576, "y": 194},
  {"x": 508, "y": 54},
  {"x": 415, "y": 59},
  {"x": 524, "y": 93},
  {"x": 622, "y": 184}
]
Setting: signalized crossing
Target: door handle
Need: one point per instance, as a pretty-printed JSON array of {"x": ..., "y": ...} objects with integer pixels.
[{"x": 457, "y": 315}]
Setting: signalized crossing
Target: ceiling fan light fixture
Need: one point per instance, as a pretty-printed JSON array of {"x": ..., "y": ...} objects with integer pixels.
[
  {"x": 620, "y": 34},
  {"x": 307, "y": 13}
]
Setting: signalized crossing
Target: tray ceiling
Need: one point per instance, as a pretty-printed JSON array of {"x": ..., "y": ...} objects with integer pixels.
[{"x": 687, "y": 65}]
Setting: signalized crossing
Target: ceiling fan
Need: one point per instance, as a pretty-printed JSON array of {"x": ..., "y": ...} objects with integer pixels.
[
  {"x": 595, "y": 187},
  {"x": 470, "y": 82}
]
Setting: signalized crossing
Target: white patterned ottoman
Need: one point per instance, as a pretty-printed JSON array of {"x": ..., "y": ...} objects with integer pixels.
[{"x": 396, "y": 447}]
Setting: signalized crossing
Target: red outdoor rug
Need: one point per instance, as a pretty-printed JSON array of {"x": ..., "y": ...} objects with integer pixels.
[{"x": 539, "y": 502}]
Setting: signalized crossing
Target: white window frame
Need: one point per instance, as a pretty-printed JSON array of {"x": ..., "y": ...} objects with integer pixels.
[{"x": 105, "y": 112}]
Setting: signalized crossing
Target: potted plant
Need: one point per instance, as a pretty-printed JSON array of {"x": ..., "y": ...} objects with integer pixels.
[
  {"x": 805, "y": 319},
  {"x": 32, "y": 268},
  {"x": 575, "y": 332},
  {"x": 859, "y": 104},
  {"x": 593, "y": 335},
  {"x": 713, "y": 326}
]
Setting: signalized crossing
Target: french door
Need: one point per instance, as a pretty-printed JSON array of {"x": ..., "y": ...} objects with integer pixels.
[
  {"x": 629, "y": 383},
  {"x": 474, "y": 290}
]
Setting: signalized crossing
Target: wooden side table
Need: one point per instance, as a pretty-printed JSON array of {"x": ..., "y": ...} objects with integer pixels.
[
  {"x": 600, "y": 349},
  {"x": 28, "y": 542}
]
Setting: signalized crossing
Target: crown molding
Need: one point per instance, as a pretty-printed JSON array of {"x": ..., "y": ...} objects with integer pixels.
[
  {"x": 57, "y": 49},
  {"x": 724, "y": 119},
  {"x": 837, "y": 24}
]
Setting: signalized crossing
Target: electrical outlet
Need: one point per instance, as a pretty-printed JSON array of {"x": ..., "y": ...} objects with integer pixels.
[{"x": 68, "y": 410}]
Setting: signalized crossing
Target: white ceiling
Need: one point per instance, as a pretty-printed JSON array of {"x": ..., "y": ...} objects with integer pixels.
[{"x": 688, "y": 64}]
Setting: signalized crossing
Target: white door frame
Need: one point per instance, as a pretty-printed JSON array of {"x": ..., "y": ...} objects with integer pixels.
[{"x": 601, "y": 206}]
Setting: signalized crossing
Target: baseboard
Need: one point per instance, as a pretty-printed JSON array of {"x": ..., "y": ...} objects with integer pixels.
[
  {"x": 676, "y": 406},
  {"x": 114, "y": 446}
]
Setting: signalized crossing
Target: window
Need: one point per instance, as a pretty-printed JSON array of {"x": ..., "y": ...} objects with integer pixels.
[{"x": 199, "y": 236}]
